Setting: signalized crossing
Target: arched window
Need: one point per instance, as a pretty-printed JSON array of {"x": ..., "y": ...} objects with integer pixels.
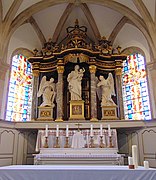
[
  {"x": 135, "y": 89},
  {"x": 20, "y": 90}
]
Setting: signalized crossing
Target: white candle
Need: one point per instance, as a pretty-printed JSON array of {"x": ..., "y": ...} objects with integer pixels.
[
  {"x": 67, "y": 133},
  {"x": 46, "y": 130},
  {"x": 101, "y": 130},
  {"x": 91, "y": 130},
  {"x": 130, "y": 160},
  {"x": 109, "y": 130},
  {"x": 135, "y": 155},
  {"x": 57, "y": 130},
  {"x": 146, "y": 164}
]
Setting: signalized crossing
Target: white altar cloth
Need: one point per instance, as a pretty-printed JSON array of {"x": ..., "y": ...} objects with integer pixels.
[
  {"x": 75, "y": 172},
  {"x": 94, "y": 156}
]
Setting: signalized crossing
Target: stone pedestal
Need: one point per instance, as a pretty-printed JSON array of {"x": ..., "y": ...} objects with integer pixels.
[
  {"x": 45, "y": 113},
  {"x": 109, "y": 112},
  {"x": 76, "y": 110}
]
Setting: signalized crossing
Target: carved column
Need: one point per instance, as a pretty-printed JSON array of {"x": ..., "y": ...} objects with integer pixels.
[
  {"x": 92, "y": 69},
  {"x": 59, "y": 99},
  {"x": 151, "y": 74},
  {"x": 34, "y": 105},
  {"x": 118, "y": 79}
]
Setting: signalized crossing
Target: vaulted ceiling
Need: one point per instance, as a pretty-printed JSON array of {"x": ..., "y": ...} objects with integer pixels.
[{"x": 28, "y": 24}]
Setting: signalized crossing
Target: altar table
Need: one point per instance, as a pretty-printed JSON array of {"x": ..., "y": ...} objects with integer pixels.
[
  {"x": 70, "y": 156},
  {"x": 75, "y": 172}
]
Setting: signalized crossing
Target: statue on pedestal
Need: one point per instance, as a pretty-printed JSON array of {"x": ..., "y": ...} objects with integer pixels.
[
  {"x": 74, "y": 79},
  {"x": 47, "y": 91},
  {"x": 107, "y": 90}
]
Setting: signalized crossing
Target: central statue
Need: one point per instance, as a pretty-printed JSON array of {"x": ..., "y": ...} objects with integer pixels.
[{"x": 74, "y": 79}]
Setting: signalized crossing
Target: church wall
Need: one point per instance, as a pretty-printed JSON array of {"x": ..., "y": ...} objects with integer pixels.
[
  {"x": 144, "y": 139},
  {"x": 16, "y": 147}
]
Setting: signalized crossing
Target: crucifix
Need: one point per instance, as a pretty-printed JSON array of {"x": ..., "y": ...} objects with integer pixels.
[{"x": 78, "y": 126}]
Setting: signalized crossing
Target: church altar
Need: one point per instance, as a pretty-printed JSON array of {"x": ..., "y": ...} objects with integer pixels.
[
  {"x": 75, "y": 153},
  {"x": 86, "y": 134},
  {"x": 76, "y": 172},
  {"x": 93, "y": 156}
]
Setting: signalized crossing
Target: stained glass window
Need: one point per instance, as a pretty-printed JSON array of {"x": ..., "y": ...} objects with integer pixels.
[
  {"x": 135, "y": 89},
  {"x": 20, "y": 90}
]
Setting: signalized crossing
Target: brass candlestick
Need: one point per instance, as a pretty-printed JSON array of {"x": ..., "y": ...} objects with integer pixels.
[
  {"x": 91, "y": 145},
  {"x": 110, "y": 142},
  {"x": 102, "y": 145},
  {"x": 67, "y": 143},
  {"x": 46, "y": 142},
  {"x": 57, "y": 143}
]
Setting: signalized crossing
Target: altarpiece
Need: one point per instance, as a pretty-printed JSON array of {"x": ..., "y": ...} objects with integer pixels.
[{"x": 77, "y": 79}]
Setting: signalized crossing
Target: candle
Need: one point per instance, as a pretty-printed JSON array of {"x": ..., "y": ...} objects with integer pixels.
[
  {"x": 130, "y": 160},
  {"x": 100, "y": 129},
  {"x": 67, "y": 133},
  {"x": 109, "y": 130},
  {"x": 46, "y": 130},
  {"x": 91, "y": 130},
  {"x": 57, "y": 130},
  {"x": 135, "y": 155},
  {"x": 146, "y": 164}
]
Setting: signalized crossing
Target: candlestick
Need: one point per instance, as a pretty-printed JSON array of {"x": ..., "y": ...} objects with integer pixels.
[
  {"x": 135, "y": 155},
  {"x": 109, "y": 130},
  {"x": 57, "y": 145},
  {"x": 67, "y": 143},
  {"x": 46, "y": 142},
  {"x": 91, "y": 130},
  {"x": 146, "y": 164},
  {"x": 101, "y": 130},
  {"x": 67, "y": 133},
  {"x": 46, "y": 130},
  {"x": 110, "y": 142},
  {"x": 91, "y": 145},
  {"x": 57, "y": 131},
  {"x": 102, "y": 145}
]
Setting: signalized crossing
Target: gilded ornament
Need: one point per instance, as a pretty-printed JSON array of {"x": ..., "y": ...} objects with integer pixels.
[
  {"x": 118, "y": 71},
  {"x": 60, "y": 69},
  {"x": 92, "y": 68},
  {"x": 35, "y": 73}
]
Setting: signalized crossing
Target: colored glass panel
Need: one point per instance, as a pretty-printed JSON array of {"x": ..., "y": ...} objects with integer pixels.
[
  {"x": 20, "y": 90},
  {"x": 135, "y": 89}
]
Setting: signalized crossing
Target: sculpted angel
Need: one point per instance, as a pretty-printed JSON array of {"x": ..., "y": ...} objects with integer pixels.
[
  {"x": 106, "y": 88},
  {"x": 47, "y": 91}
]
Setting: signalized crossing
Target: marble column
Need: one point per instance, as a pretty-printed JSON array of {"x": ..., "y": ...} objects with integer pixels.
[
  {"x": 34, "y": 104},
  {"x": 59, "y": 99},
  {"x": 118, "y": 79},
  {"x": 151, "y": 74},
  {"x": 93, "y": 104}
]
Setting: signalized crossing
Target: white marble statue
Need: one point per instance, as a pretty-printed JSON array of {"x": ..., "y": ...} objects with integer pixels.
[
  {"x": 74, "y": 79},
  {"x": 47, "y": 91},
  {"x": 106, "y": 89}
]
